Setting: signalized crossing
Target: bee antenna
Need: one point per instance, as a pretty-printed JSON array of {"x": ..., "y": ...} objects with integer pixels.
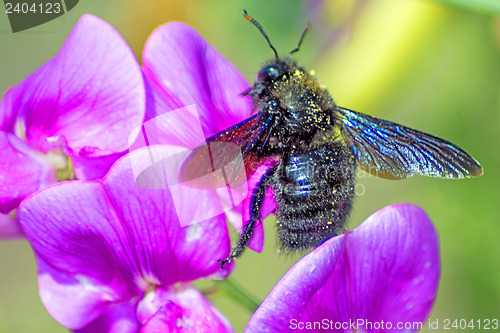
[
  {"x": 301, "y": 39},
  {"x": 249, "y": 18}
]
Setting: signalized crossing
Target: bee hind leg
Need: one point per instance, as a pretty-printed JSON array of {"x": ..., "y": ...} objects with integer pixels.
[{"x": 255, "y": 209}]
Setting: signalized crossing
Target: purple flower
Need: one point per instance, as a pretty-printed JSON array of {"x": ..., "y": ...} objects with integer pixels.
[
  {"x": 112, "y": 256},
  {"x": 383, "y": 274},
  {"x": 83, "y": 104},
  {"x": 181, "y": 70}
]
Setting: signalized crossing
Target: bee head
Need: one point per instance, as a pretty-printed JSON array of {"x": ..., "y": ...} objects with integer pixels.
[
  {"x": 270, "y": 72},
  {"x": 275, "y": 70}
]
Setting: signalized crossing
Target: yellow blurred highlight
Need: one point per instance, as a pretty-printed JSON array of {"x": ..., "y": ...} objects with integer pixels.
[
  {"x": 387, "y": 34},
  {"x": 137, "y": 19}
]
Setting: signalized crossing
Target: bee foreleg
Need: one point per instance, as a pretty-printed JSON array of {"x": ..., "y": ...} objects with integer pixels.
[{"x": 255, "y": 209}]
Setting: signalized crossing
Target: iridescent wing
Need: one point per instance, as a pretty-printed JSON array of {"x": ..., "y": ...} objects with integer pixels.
[
  {"x": 238, "y": 146},
  {"x": 394, "y": 151}
]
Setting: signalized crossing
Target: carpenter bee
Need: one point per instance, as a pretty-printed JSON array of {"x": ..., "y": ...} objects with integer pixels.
[{"x": 315, "y": 147}]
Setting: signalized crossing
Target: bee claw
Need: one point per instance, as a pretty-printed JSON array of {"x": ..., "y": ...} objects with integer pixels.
[{"x": 222, "y": 262}]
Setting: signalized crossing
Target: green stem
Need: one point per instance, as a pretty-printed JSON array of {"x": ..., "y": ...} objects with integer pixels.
[{"x": 236, "y": 293}]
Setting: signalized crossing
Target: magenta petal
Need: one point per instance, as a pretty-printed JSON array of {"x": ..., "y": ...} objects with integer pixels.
[
  {"x": 8, "y": 111},
  {"x": 74, "y": 302},
  {"x": 187, "y": 70},
  {"x": 386, "y": 269},
  {"x": 180, "y": 127},
  {"x": 399, "y": 245},
  {"x": 75, "y": 229},
  {"x": 89, "y": 98},
  {"x": 22, "y": 171},
  {"x": 90, "y": 168},
  {"x": 120, "y": 318},
  {"x": 93, "y": 228},
  {"x": 164, "y": 320},
  {"x": 257, "y": 242},
  {"x": 9, "y": 228},
  {"x": 180, "y": 309},
  {"x": 189, "y": 252},
  {"x": 268, "y": 207},
  {"x": 111, "y": 239}
]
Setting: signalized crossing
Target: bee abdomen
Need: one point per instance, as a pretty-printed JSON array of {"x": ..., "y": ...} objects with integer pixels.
[
  {"x": 313, "y": 191},
  {"x": 315, "y": 219}
]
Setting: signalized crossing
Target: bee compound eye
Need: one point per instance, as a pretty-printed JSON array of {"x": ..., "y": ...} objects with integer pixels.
[{"x": 269, "y": 72}]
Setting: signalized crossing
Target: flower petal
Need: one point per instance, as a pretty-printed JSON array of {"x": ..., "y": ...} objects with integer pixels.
[
  {"x": 8, "y": 111},
  {"x": 190, "y": 252},
  {"x": 94, "y": 167},
  {"x": 116, "y": 234},
  {"x": 118, "y": 319},
  {"x": 268, "y": 207},
  {"x": 75, "y": 229},
  {"x": 187, "y": 70},
  {"x": 76, "y": 301},
  {"x": 87, "y": 99},
  {"x": 180, "y": 309},
  {"x": 9, "y": 228},
  {"x": 22, "y": 171},
  {"x": 386, "y": 269},
  {"x": 180, "y": 126},
  {"x": 182, "y": 129}
]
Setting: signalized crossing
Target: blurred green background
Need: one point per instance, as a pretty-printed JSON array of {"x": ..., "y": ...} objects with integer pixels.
[{"x": 431, "y": 65}]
